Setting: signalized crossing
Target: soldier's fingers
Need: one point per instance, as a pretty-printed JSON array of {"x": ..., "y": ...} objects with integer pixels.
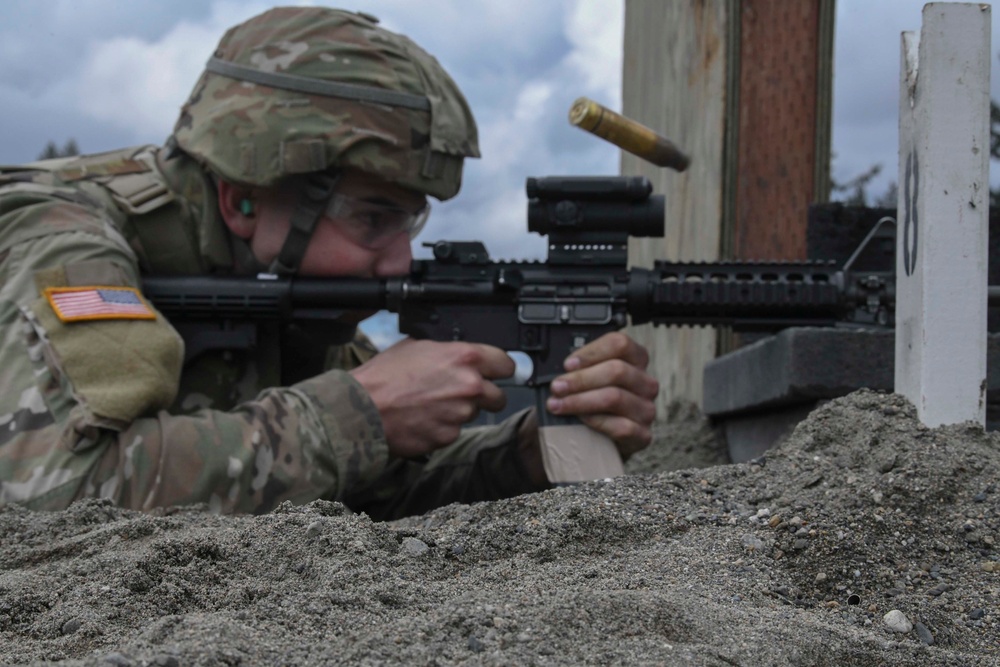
[
  {"x": 629, "y": 436},
  {"x": 614, "y": 345},
  {"x": 606, "y": 401},
  {"x": 491, "y": 362},
  {"x": 615, "y": 373},
  {"x": 493, "y": 399}
]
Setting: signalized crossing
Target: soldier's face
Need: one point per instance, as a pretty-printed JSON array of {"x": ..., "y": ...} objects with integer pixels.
[{"x": 365, "y": 233}]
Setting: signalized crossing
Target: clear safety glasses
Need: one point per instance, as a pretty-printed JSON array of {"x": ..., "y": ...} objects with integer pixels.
[{"x": 372, "y": 224}]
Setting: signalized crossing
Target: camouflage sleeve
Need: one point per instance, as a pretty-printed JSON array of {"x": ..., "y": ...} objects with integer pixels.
[
  {"x": 285, "y": 445},
  {"x": 483, "y": 464},
  {"x": 83, "y": 406}
]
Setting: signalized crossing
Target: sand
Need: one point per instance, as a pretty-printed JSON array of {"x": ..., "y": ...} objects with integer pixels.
[{"x": 863, "y": 539}]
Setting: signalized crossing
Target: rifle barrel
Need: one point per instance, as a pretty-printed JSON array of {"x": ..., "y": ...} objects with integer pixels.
[{"x": 257, "y": 298}]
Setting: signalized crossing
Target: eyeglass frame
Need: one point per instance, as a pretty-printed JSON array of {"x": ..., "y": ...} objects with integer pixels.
[{"x": 413, "y": 223}]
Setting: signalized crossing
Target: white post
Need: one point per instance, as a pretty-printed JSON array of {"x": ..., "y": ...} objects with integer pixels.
[{"x": 942, "y": 216}]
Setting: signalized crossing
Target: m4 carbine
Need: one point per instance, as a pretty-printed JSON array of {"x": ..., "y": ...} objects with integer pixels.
[{"x": 545, "y": 309}]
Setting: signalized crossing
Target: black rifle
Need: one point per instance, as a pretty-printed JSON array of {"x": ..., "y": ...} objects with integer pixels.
[{"x": 543, "y": 309}]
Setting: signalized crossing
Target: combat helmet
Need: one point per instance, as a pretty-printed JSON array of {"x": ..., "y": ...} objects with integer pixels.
[{"x": 307, "y": 90}]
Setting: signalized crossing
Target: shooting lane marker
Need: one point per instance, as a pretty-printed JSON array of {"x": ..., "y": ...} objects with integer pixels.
[
  {"x": 911, "y": 228},
  {"x": 941, "y": 252}
]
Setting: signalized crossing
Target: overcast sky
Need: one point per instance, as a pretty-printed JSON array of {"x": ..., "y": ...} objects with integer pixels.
[{"x": 113, "y": 73}]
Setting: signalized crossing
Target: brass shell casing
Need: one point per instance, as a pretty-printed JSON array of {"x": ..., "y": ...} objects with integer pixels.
[{"x": 627, "y": 134}]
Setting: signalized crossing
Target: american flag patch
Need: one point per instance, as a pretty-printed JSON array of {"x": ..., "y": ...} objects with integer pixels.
[{"x": 79, "y": 304}]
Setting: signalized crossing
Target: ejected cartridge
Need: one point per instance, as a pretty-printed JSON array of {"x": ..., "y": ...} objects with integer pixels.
[{"x": 626, "y": 134}]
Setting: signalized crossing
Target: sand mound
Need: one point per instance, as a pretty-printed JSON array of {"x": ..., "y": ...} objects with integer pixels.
[{"x": 793, "y": 559}]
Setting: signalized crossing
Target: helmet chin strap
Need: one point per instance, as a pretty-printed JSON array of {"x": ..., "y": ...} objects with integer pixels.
[
  {"x": 314, "y": 196},
  {"x": 304, "y": 344},
  {"x": 243, "y": 256}
]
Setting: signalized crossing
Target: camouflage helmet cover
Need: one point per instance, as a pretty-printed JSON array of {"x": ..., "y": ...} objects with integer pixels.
[{"x": 303, "y": 89}]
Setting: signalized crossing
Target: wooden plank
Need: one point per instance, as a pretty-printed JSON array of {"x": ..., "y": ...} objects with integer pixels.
[
  {"x": 675, "y": 82},
  {"x": 779, "y": 64}
]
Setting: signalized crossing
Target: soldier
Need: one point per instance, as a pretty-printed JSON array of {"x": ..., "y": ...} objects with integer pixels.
[{"x": 308, "y": 146}]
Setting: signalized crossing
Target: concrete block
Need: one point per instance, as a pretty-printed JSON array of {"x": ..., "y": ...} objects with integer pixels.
[
  {"x": 795, "y": 366},
  {"x": 758, "y": 393}
]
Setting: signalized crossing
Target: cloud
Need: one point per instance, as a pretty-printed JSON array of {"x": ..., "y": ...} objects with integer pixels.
[
  {"x": 521, "y": 101},
  {"x": 159, "y": 77},
  {"x": 106, "y": 73},
  {"x": 382, "y": 329},
  {"x": 139, "y": 84},
  {"x": 44, "y": 42},
  {"x": 477, "y": 37},
  {"x": 866, "y": 86},
  {"x": 595, "y": 30}
]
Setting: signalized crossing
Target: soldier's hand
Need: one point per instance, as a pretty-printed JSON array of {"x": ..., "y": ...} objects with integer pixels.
[
  {"x": 608, "y": 388},
  {"x": 426, "y": 390}
]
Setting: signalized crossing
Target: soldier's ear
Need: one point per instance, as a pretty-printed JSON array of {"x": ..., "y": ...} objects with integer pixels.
[{"x": 233, "y": 206}]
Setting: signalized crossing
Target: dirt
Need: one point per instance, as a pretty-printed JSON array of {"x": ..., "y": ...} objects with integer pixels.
[{"x": 793, "y": 559}]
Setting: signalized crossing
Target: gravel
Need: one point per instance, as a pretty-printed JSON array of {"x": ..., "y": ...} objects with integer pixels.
[{"x": 798, "y": 558}]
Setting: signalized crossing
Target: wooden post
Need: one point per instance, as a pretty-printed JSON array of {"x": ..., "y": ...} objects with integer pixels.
[
  {"x": 943, "y": 206},
  {"x": 743, "y": 87},
  {"x": 675, "y": 67}
]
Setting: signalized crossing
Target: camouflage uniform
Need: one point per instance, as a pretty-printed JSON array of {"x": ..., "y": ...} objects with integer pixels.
[{"x": 109, "y": 408}]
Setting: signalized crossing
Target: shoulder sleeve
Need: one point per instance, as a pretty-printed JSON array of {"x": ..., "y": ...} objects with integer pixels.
[
  {"x": 316, "y": 439},
  {"x": 84, "y": 399},
  {"x": 352, "y": 354},
  {"x": 482, "y": 464},
  {"x": 76, "y": 284}
]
